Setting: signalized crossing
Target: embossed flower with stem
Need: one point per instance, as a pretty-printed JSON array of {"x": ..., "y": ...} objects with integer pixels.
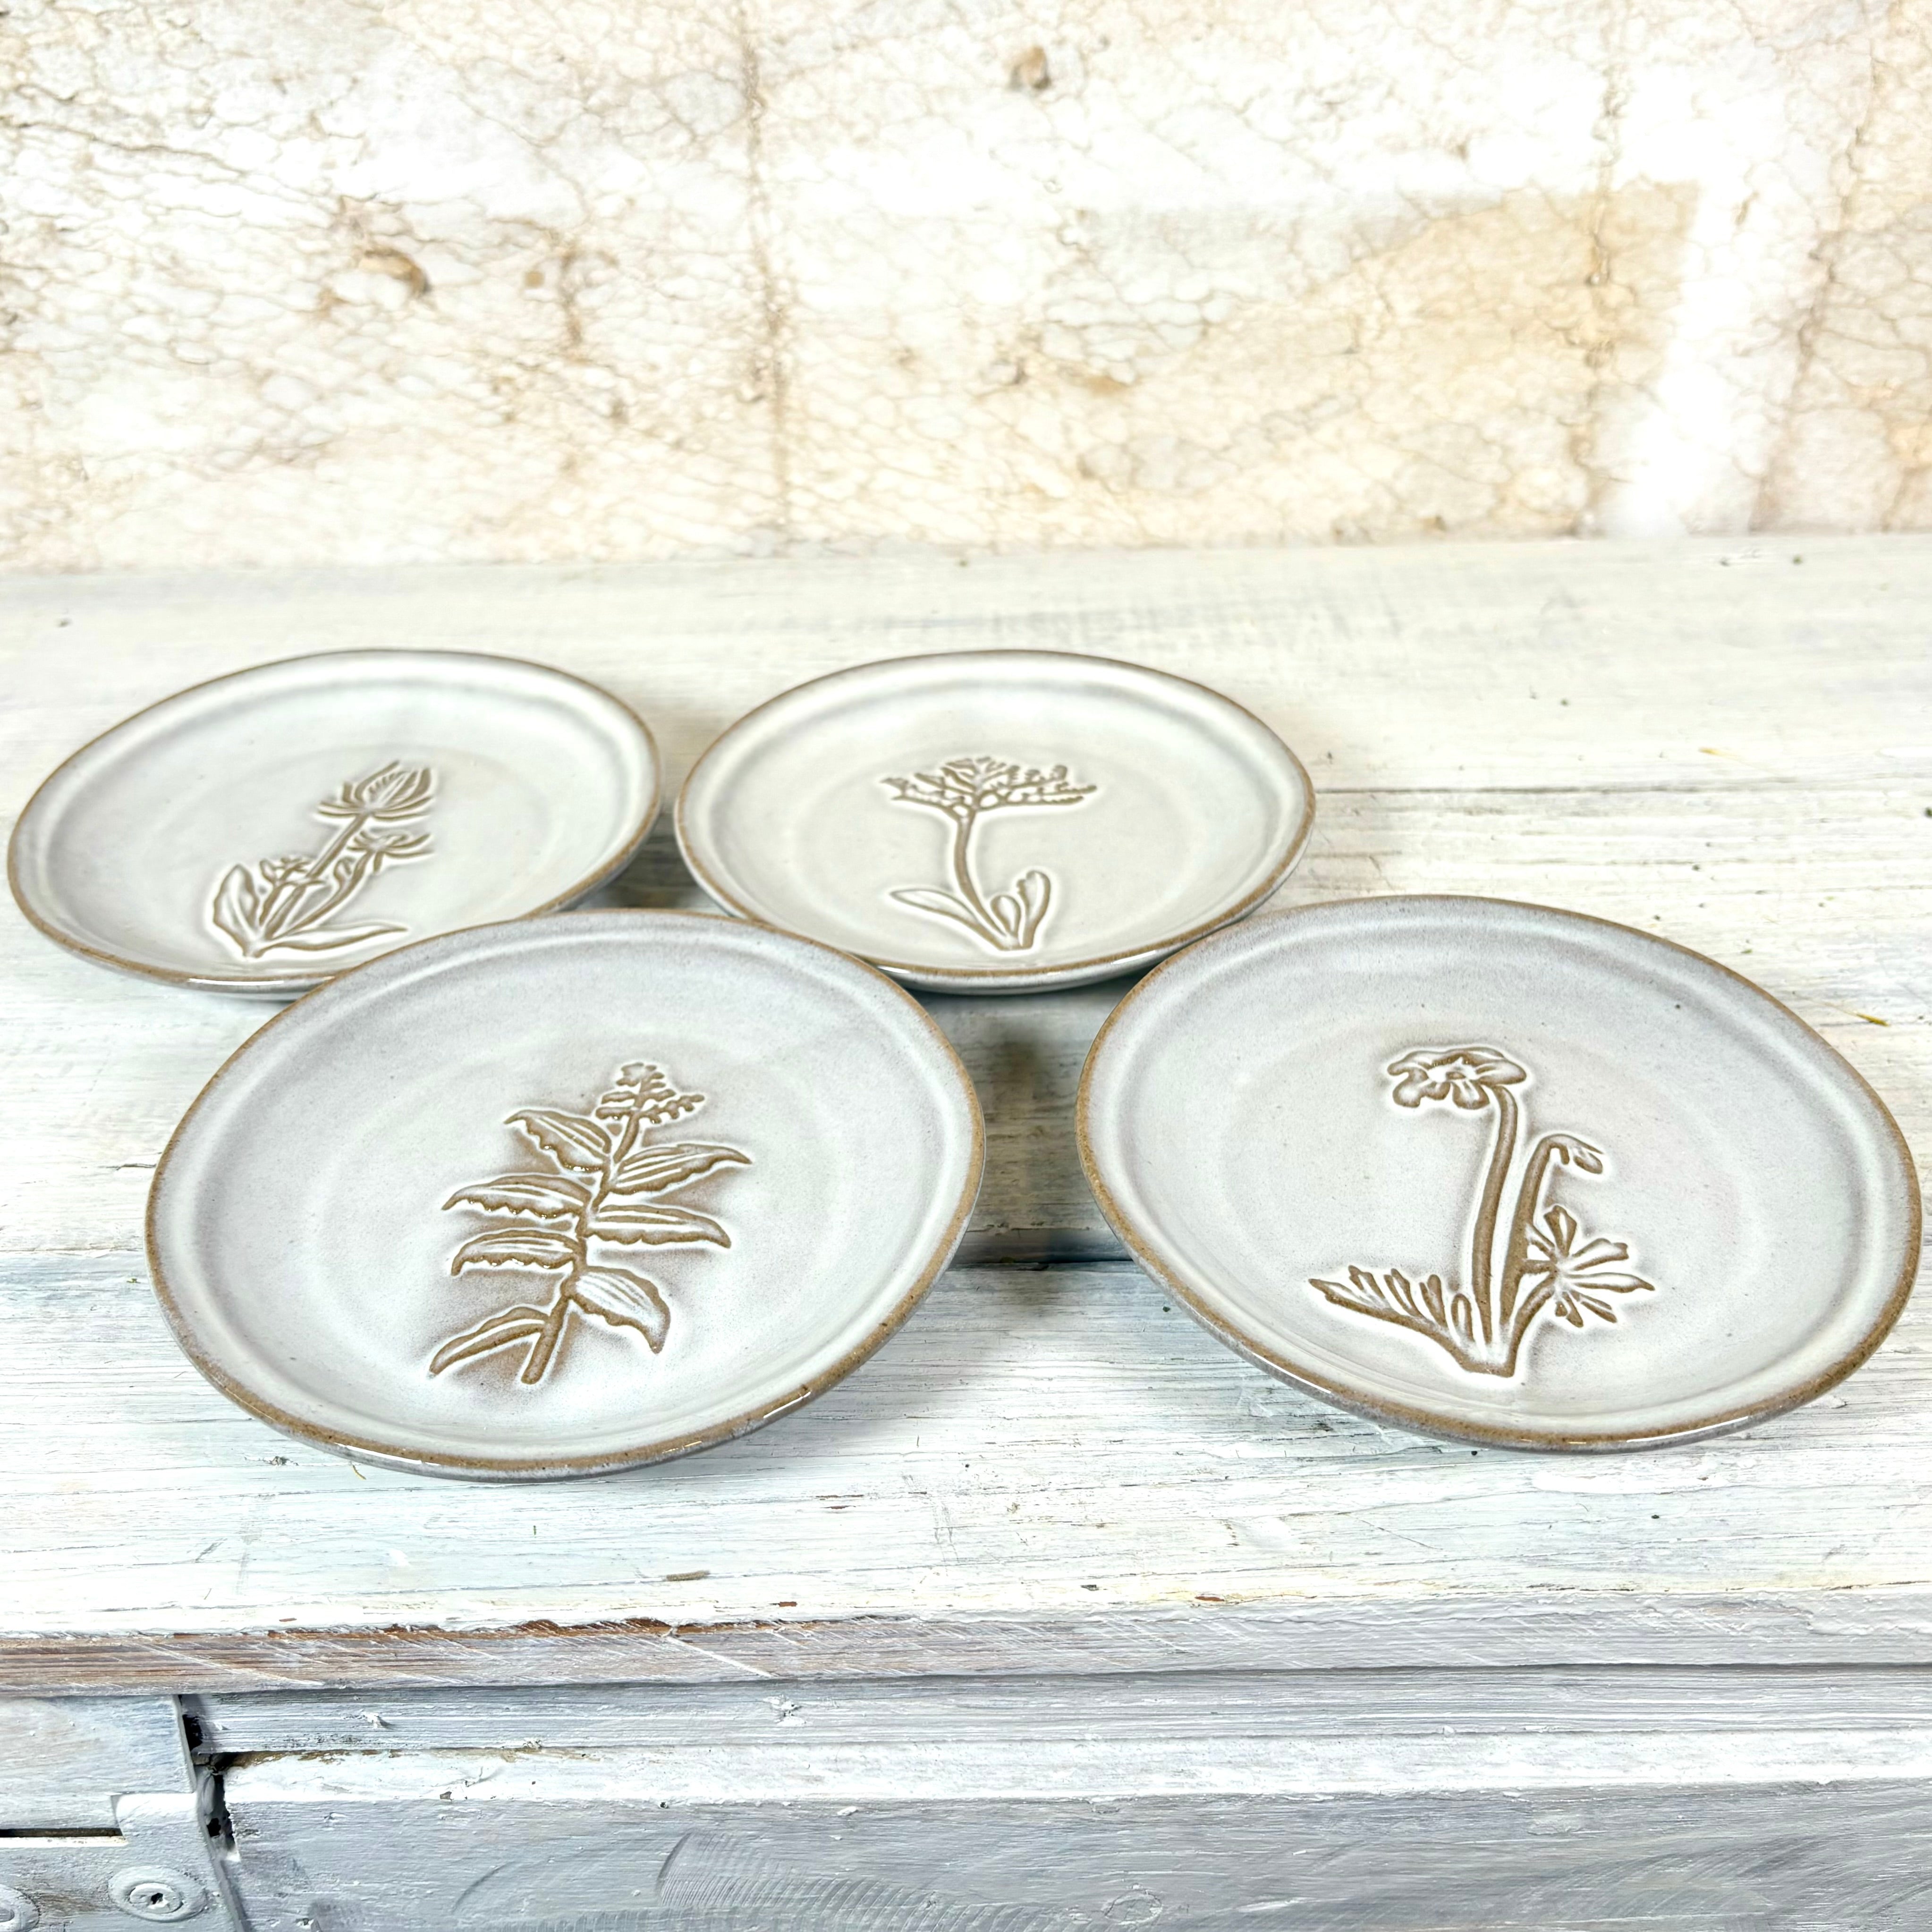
[
  {"x": 1482, "y": 1323},
  {"x": 284, "y": 903},
  {"x": 966, "y": 789}
]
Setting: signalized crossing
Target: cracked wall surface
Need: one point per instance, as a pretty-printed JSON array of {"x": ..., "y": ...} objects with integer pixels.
[{"x": 393, "y": 280}]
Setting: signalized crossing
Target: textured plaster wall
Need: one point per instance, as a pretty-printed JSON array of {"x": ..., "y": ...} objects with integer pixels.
[{"x": 377, "y": 279}]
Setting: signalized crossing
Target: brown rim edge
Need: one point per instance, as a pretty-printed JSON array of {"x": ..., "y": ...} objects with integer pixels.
[
  {"x": 487, "y": 1469},
  {"x": 295, "y": 989},
  {"x": 1422, "y": 1421},
  {"x": 990, "y": 978}
]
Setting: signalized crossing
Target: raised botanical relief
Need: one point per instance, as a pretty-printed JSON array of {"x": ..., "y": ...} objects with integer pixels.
[
  {"x": 1546, "y": 1263},
  {"x": 965, "y": 789},
  {"x": 602, "y": 1180},
  {"x": 285, "y": 903}
]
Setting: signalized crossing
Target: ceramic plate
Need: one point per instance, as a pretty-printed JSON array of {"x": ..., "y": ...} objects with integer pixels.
[
  {"x": 561, "y": 1196},
  {"x": 996, "y": 821},
  {"x": 262, "y": 832},
  {"x": 1501, "y": 1173}
]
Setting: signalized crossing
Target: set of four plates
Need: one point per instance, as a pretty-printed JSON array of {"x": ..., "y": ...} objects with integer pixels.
[{"x": 514, "y": 1197}]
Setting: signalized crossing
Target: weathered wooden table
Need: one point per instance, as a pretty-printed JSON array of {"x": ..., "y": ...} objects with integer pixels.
[{"x": 1056, "y": 1615}]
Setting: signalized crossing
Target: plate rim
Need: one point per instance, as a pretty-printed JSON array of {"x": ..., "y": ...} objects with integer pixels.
[
  {"x": 300, "y": 984},
  {"x": 1004, "y": 979},
  {"x": 492, "y": 1469},
  {"x": 1425, "y": 1422}
]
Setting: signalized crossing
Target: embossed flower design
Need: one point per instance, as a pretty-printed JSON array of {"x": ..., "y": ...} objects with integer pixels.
[
  {"x": 1526, "y": 1256},
  {"x": 396, "y": 791},
  {"x": 962, "y": 788},
  {"x": 1467, "y": 1074},
  {"x": 965, "y": 789},
  {"x": 287, "y": 901}
]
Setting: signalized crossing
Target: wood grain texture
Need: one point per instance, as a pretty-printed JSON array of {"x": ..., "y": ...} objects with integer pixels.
[
  {"x": 1804, "y": 1832},
  {"x": 1048, "y": 1470},
  {"x": 63, "y": 1761},
  {"x": 1473, "y": 1700}
]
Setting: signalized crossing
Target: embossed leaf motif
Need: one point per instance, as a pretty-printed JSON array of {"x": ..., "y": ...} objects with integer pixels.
[
  {"x": 1580, "y": 1272},
  {"x": 568, "y": 1138},
  {"x": 493, "y": 1331},
  {"x": 512, "y": 1247},
  {"x": 603, "y": 1162},
  {"x": 332, "y": 938},
  {"x": 284, "y": 904},
  {"x": 626, "y": 1221},
  {"x": 626, "y": 1300},
  {"x": 549, "y": 1197},
  {"x": 965, "y": 789},
  {"x": 237, "y": 905},
  {"x": 656, "y": 1170},
  {"x": 1553, "y": 1268}
]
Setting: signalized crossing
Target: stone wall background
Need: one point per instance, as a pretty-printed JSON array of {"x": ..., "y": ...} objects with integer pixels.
[{"x": 377, "y": 280}]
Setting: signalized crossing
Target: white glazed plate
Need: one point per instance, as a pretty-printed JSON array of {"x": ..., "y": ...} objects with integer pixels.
[
  {"x": 1501, "y": 1173},
  {"x": 996, "y": 821},
  {"x": 565, "y": 1195},
  {"x": 263, "y": 832}
]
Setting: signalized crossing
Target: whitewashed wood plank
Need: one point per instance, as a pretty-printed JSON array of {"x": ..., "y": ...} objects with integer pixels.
[
  {"x": 64, "y": 1761},
  {"x": 1046, "y": 1470},
  {"x": 1770, "y": 1629},
  {"x": 1200, "y": 1705},
  {"x": 1523, "y": 664},
  {"x": 943, "y": 1767},
  {"x": 1814, "y": 1831}
]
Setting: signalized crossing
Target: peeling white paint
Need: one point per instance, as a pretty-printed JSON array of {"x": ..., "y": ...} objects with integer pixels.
[{"x": 425, "y": 281}]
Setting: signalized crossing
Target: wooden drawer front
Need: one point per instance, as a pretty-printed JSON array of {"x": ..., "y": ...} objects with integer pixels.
[{"x": 1813, "y": 1831}]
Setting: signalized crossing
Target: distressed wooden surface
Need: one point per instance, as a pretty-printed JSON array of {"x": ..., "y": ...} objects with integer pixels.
[
  {"x": 1047, "y": 1470},
  {"x": 1808, "y": 1831},
  {"x": 64, "y": 1761},
  {"x": 1288, "y": 1706},
  {"x": 1050, "y": 1469}
]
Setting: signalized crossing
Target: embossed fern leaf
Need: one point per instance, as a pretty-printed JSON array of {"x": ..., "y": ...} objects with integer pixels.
[
  {"x": 602, "y": 1183},
  {"x": 965, "y": 789},
  {"x": 1546, "y": 1263},
  {"x": 285, "y": 903}
]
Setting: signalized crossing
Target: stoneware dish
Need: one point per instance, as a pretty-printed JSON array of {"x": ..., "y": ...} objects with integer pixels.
[
  {"x": 996, "y": 821},
  {"x": 262, "y": 832},
  {"x": 1501, "y": 1173},
  {"x": 561, "y": 1196}
]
